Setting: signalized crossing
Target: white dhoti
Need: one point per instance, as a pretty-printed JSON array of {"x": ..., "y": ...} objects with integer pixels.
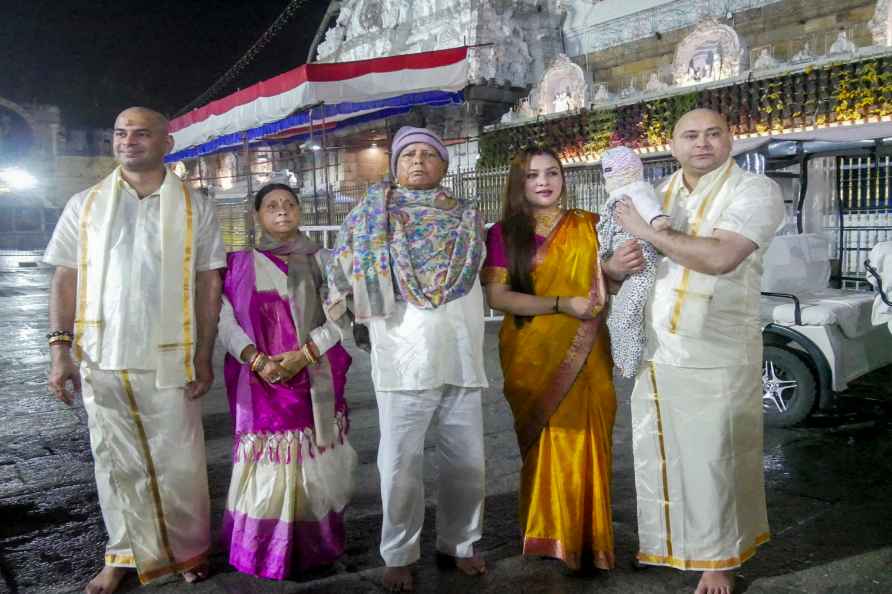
[
  {"x": 148, "y": 447},
  {"x": 697, "y": 402},
  {"x": 697, "y": 440},
  {"x": 404, "y": 419}
]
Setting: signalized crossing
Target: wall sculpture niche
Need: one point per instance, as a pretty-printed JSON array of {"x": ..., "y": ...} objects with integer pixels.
[
  {"x": 711, "y": 52},
  {"x": 563, "y": 87}
]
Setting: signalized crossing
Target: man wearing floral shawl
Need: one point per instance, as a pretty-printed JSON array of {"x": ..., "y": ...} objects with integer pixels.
[{"x": 408, "y": 256}]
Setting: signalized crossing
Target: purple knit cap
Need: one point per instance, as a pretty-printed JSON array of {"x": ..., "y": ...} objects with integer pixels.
[{"x": 409, "y": 135}]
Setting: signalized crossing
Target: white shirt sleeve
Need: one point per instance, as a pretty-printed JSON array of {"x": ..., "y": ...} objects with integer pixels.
[
  {"x": 231, "y": 334},
  {"x": 63, "y": 246},
  {"x": 210, "y": 252},
  {"x": 757, "y": 211},
  {"x": 645, "y": 200},
  {"x": 329, "y": 334}
]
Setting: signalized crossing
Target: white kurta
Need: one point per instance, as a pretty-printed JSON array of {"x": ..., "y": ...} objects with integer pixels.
[
  {"x": 426, "y": 363},
  {"x": 132, "y": 292},
  {"x": 148, "y": 444},
  {"x": 420, "y": 349},
  {"x": 696, "y": 406}
]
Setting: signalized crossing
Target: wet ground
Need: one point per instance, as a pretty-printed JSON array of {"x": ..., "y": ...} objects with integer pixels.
[{"x": 829, "y": 489}]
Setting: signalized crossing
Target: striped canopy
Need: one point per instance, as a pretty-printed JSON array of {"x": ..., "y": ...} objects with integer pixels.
[{"x": 339, "y": 94}]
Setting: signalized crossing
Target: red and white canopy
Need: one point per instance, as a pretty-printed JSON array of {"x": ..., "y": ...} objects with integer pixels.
[{"x": 347, "y": 91}]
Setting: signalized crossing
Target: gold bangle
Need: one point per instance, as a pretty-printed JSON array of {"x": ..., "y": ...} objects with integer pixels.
[
  {"x": 309, "y": 354},
  {"x": 259, "y": 362},
  {"x": 59, "y": 339}
]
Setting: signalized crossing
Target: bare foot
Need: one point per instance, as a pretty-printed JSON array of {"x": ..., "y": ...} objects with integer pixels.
[
  {"x": 715, "y": 582},
  {"x": 470, "y": 565},
  {"x": 106, "y": 581},
  {"x": 196, "y": 574},
  {"x": 398, "y": 579}
]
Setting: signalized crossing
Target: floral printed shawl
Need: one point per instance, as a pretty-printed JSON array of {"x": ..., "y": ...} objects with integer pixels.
[{"x": 429, "y": 242}]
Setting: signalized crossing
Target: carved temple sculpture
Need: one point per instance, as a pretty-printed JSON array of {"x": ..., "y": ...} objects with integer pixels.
[
  {"x": 765, "y": 61},
  {"x": 563, "y": 87},
  {"x": 518, "y": 35},
  {"x": 881, "y": 23},
  {"x": 842, "y": 45},
  {"x": 654, "y": 83},
  {"x": 711, "y": 52}
]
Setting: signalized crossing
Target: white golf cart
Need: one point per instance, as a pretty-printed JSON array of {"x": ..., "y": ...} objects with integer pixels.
[{"x": 817, "y": 304}]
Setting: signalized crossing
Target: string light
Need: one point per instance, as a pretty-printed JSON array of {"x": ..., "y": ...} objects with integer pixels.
[{"x": 246, "y": 59}]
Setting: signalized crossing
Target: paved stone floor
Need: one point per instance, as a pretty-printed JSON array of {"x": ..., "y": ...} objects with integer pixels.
[{"x": 829, "y": 486}]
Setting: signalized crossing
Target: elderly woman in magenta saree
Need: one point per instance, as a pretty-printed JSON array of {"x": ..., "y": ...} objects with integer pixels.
[
  {"x": 542, "y": 270},
  {"x": 285, "y": 374}
]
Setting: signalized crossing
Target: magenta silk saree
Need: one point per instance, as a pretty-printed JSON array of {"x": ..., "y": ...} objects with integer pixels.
[{"x": 284, "y": 511}]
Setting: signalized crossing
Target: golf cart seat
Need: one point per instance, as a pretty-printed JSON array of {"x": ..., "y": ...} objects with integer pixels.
[
  {"x": 795, "y": 291},
  {"x": 879, "y": 273}
]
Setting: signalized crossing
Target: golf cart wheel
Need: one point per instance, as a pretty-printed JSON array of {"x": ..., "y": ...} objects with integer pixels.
[{"x": 788, "y": 387}]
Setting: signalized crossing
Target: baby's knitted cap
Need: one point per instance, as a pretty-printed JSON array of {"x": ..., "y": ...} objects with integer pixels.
[{"x": 621, "y": 167}]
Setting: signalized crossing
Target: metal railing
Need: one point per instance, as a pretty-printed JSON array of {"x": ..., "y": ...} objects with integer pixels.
[
  {"x": 862, "y": 214},
  {"x": 585, "y": 190}
]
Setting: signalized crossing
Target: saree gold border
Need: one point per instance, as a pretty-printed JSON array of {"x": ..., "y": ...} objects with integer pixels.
[
  {"x": 663, "y": 465},
  {"x": 694, "y": 231},
  {"x": 154, "y": 574},
  {"x": 79, "y": 322},
  {"x": 120, "y": 560},
  {"x": 695, "y": 564},
  {"x": 187, "y": 287},
  {"x": 582, "y": 344},
  {"x": 549, "y": 547},
  {"x": 154, "y": 490},
  {"x": 494, "y": 274},
  {"x": 540, "y": 254}
]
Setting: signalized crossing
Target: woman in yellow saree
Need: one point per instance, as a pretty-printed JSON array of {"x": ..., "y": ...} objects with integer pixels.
[{"x": 542, "y": 270}]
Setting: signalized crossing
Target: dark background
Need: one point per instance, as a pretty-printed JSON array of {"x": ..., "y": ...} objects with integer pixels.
[{"x": 93, "y": 58}]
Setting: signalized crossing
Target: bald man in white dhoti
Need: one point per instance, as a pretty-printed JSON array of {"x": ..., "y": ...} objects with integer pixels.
[
  {"x": 697, "y": 402},
  {"x": 133, "y": 313}
]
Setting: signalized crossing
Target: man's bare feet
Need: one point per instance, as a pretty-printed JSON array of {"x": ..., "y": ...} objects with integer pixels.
[
  {"x": 471, "y": 565},
  {"x": 196, "y": 574},
  {"x": 106, "y": 581},
  {"x": 398, "y": 579},
  {"x": 715, "y": 582}
]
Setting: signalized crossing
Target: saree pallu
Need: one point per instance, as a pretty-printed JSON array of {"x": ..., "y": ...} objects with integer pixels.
[
  {"x": 558, "y": 382},
  {"x": 287, "y": 495}
]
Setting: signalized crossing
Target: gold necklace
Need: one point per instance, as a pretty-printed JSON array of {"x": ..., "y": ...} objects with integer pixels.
[{"x": 545, "y": 221}]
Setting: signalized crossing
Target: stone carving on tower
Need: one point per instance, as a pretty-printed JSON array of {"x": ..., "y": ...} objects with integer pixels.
[
  {"x": 711, "y": 52},
  {"x": 881, "y": 23},
  {"x": 523, "y": 34},
  {"x": 765, "y": 61},
  {"x": 842, "y": 45},
  {"x": 655, "y": 83},
  {"x": 563, "y": 87},
  {"x": 803, "y": 55}
]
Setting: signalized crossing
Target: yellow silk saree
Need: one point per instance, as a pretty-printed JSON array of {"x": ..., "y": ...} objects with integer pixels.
[{"x": 558, "y": 382}]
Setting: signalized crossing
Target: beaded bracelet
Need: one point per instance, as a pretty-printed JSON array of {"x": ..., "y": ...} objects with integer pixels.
[{"x": 56, "y": 333}]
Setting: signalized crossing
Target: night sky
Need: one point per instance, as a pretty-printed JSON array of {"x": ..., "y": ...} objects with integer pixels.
[{"x": 93, "y": 58}]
